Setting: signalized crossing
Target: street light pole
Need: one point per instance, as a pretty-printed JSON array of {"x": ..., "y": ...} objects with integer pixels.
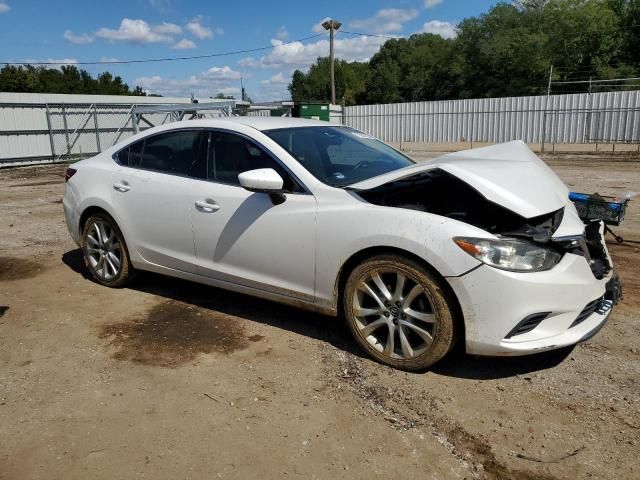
[{"x": 332, "y": 26}]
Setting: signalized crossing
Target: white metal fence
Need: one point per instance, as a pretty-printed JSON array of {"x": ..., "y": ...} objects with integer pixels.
[
  {"x": 37, "y": 128},
  {"x": 612, "y": 117}
]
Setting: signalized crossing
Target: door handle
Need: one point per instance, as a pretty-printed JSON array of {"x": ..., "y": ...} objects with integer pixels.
[
  {"x": 122, "y": 186},
  {"x": 208, "y": 206}
]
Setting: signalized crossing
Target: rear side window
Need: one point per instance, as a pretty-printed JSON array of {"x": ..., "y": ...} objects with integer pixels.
[
  {"x": 134, "y": 154},
  {"x": 230, "y": 155},
  {"x": 178, "y": 153},
  {"x": 130, "y": 156},
  {"x": 175, "y": 152}
]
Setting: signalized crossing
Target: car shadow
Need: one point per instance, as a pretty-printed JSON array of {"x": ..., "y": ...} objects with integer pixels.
[
  {"x": 461, "y": 365},
  {"x": 310, "y": 324},
  {"x": 320, "y": 327}
]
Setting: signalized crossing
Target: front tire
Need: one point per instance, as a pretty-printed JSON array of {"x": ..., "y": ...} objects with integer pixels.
[
  {"x": 399, "y": 313},
  {"x": 105, "y": 251}
]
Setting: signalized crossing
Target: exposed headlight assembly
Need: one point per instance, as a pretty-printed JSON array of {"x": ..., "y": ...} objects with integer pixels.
[{"x": 510, "y": 254}]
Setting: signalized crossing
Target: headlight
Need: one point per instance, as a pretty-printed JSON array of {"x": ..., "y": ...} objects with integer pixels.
[{"x": 513, "y": 255}]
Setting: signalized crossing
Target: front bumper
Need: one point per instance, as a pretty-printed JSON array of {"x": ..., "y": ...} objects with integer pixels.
[{"x": 495, "y": 301}]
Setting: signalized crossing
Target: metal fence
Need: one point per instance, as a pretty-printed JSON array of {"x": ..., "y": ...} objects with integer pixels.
[
  {"x": 612, "y": 118},
  {"x": 32, "y": 133}
]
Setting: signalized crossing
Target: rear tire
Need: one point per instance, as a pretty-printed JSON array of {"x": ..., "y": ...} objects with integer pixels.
[
  {"x": 399, "y": 312},
  {"x": 105, "y": 251}
]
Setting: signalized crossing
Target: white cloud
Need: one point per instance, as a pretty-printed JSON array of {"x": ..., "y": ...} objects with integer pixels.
[
  {"x": 228, "y": 91},
  {"x": 299, "y": 54},
  {"x": 385, "y": 21},
  {"x": 51, "y": 62},
  {"x": 249, "y": 62},
  {"x": 139, "y": 31},
  {"x": 274, "y": 88},
  {"x": 318, "y": 28},
  {"x": 438, "y": 27},
  {"x": 184, "y": 44},
  {"x": 198, "y": 30},
  {"x": 4, "y": 8},
  {"x": 109, "y": 59},
  {"x": 282, "y": 33},
  {"x": 431, "y": 3},
  {"x": 277, "y": 79},
  {"x": 205, "y": 84},
  {"x": 81, "y": 39},
  {"x": 162, "y": 6},
  {"x": 168, "y": 29}
]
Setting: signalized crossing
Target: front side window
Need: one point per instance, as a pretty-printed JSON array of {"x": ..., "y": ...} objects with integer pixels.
[
  {"x": 230, "y": 155},
  {"x": 339, "y": 156}
]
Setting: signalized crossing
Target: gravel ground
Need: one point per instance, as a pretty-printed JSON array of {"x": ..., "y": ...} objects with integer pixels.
[{"x": 168, "y": 379}]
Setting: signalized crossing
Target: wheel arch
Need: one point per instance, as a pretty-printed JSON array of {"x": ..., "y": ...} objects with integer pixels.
[
  {"x": 357, "y": 258},
  {"x": 87, "y": 212},
  {"x": 97, "y": 207}
]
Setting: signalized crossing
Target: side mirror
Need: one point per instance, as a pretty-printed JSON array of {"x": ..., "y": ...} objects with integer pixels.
[{"x": 263, "y": 180}]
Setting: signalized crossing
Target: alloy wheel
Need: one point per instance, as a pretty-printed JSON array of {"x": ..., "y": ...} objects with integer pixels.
[
  {"x": 394, "y": 313},
  {"x": 103, "y": 250}
]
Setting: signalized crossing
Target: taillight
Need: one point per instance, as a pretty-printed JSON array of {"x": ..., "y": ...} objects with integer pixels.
[{"x": 69, "y": 173}]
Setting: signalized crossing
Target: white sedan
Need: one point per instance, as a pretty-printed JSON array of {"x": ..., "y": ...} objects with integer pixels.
[{"x": 481, "y": 246}]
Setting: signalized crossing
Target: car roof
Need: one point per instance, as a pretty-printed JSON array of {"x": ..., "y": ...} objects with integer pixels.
[{"x": 259, "y": 123}]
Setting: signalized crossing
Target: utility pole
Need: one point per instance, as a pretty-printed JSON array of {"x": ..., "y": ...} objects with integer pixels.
[
  {"x": 546, "y": 107},
  {"x": 332, "y": 26}
]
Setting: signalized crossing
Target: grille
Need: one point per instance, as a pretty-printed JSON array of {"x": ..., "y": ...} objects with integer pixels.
[
  {"x": 528, "y": 323},
  {"x": 586, "y": 312}
]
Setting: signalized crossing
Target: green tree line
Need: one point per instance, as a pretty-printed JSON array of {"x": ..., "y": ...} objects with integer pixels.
[
  {"x": 67, "y": 79},
  {"x": 507, "y": 51}
]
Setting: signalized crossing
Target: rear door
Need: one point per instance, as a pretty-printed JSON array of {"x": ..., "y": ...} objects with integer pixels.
[{"x": 152, "y": 193}]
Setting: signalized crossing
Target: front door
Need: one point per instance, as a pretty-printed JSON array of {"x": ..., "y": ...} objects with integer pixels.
[{"x": 244, "y": 237}]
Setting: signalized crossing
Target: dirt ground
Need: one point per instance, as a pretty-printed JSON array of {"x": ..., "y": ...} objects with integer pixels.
[{"x": 168, "y": 379}]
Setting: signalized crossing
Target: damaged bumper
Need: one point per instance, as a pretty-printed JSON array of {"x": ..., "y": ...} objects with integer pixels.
[{"x": 534, "y": 312}]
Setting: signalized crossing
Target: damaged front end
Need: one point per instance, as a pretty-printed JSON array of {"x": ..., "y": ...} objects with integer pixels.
[
  {"x": 505, "y": 190},
  {"x": 438, "y": 192}
]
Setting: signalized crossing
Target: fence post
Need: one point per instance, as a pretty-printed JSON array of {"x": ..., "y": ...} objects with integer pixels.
[
  {"x": 544, "y": 130},
  {"x": 66, "y": 130},
  {"x": 473, "y": 118},
  {"x": 51, "y": 142},
  {"x": 95, "y": 123},
  {"x": 554, "y": 128},
  {"x": 134, "y": 124}
]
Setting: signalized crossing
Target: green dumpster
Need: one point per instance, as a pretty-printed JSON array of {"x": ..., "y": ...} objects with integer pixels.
[{"x": 314, "y": 111}]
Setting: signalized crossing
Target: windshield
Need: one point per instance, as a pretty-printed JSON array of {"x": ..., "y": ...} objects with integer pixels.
[{"x": 339, "y": 156}]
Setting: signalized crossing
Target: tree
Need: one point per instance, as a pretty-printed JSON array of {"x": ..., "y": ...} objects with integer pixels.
[
  {"x": 315, "y": 86},
  {"x": 67, "y": 79},
  {"x": 507, "y": 51}
]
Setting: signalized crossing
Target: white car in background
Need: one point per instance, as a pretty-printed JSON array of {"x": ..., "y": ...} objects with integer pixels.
[{"x": 482, "y": 246}]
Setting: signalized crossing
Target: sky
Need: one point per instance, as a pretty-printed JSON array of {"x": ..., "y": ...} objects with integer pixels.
[{"x": 68, "y": 32}]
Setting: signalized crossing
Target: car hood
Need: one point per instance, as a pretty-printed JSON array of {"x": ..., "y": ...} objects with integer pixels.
[{"x": 507, "y": 174}]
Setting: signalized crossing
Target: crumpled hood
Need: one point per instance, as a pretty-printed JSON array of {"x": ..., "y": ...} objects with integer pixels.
[{"x": 509, "y": 174}]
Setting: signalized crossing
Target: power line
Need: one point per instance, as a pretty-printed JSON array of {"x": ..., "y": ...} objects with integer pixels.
[
  {"x": 169, "y": 59},
  {"x": 360, "y": 34}
]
